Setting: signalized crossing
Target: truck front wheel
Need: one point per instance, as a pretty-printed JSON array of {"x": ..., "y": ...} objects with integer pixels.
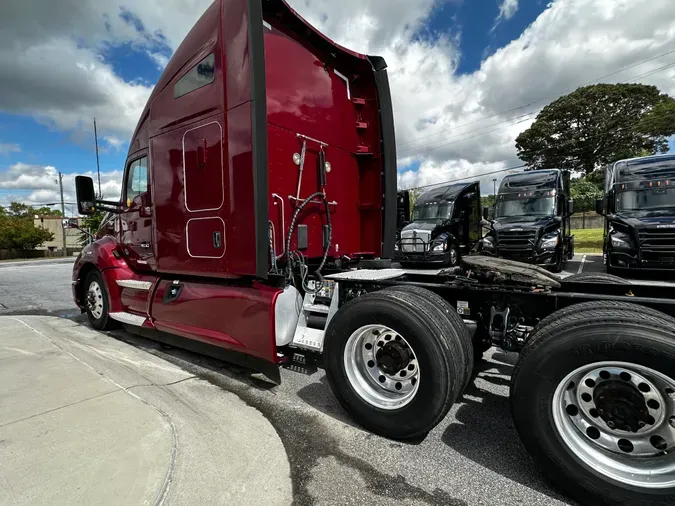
[
  {"x": 593, "y": 400},
  {"x": 453, "y": 256},
  {"x": 97, "y": 303},
  {"x": 394, "y": 364}
]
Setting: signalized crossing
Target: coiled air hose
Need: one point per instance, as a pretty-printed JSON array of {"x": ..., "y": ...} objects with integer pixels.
[{"x": 291, "y": 228}]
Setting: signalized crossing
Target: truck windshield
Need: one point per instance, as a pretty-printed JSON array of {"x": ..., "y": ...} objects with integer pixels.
[
  {"x": 437, "y": 211},
  {"x": 645, "y": 200},
  {"x": 536, "y": 206}
]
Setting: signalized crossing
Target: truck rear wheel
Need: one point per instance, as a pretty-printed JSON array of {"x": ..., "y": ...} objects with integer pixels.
[
  {"x": 439, "y": 303},
  {"x": 395, "y": 365},
  {"x": 593, "y": 400},
  {"x": 97, "y": 303}
]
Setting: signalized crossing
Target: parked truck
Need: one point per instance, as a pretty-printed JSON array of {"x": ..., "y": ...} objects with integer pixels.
[
  {"x": 532, "y": 219},
  {"x": 445, "y": 224},
  {"x": 263, "y": 171},
  {"x": 639, "y": 209}
]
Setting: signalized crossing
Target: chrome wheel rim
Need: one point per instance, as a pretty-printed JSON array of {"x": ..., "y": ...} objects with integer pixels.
[
  {"x": 95, "y": 300},
  {"x": 453, "y": 256},
  {"x": 382, "y": 367},
  {"x": 619, "y": 419}
]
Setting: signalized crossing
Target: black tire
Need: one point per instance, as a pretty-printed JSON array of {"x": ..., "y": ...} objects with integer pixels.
[
  {"x": 375, "y": 263},
  {"x": 596, "y": 277},
  {"x": 436, "y": 344},
  {"x": 103, "y": 322},
  {"x": 595, "y": 306},
  {"x": 458, "y": 258},
  {"x": 447, "y": 311},
  {"x": 599, "y": 332}
]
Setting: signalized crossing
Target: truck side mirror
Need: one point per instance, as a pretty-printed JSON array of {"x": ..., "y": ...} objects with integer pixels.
[
  {"x": 570, "y": 207},
  {"x": 70, "y": 223},
  {"x": 486, "y": 213},
  {"x": 86, "y": 198},
  {"x": 598, "y": 206}
]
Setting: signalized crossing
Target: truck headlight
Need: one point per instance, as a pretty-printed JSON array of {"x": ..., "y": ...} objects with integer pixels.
[
  {"x": 549, "y": 241},
  {"x": 439, "y": 247},
  {"x": 488, "y": 242},
  {"x": 620, "y": 241}
]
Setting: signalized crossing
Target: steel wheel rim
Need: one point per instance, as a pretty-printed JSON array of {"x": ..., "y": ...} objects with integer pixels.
[
  {"x": 604, "y": 441},
  {"x": 95, "y": 300},
  {"x": 376, "y": 385}
]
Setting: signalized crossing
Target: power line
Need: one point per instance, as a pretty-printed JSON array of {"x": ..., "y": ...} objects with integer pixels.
[
  {"x": 429, "y": 147},
  {"x": 544, "y": 98},
  {"x": 477, "y": 176}
]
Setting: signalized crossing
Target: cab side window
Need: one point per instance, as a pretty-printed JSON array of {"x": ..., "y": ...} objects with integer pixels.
[
  {"x": 198, "y": 76},
  {"x": 137, "y": 181}
]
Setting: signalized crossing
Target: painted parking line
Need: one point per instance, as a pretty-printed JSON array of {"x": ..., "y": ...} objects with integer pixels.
[{"x": 581, "y": 265}]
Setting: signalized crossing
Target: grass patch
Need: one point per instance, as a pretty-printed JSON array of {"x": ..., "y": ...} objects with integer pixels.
[{"x": 588, "y": 240}]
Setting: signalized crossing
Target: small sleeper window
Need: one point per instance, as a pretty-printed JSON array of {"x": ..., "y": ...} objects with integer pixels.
[{"x": 198, "y": 76}]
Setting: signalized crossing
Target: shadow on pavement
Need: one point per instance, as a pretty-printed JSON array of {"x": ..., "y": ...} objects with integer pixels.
[
  {"x": 484, "y": 431},
  {"x": 319, "y": 396}
]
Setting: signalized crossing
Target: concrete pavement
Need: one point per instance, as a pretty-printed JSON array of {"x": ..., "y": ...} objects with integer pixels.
[{"x": 88, "y": 419}]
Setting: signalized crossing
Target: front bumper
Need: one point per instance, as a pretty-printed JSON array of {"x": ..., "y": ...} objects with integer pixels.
[
  {"x": 424, "y": 258},
  {"x": 624, "y": 260},
  {"x": 545, "y": 258}
]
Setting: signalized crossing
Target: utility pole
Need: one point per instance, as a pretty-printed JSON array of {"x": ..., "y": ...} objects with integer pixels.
[
  {"x": 98, "y": 169},
  {"x": 494, "y": 186},
  {"x": 63, "y": 216}
]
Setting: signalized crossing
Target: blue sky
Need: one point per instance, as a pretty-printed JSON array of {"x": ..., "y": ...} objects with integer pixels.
[
  {"x": 45, "y": 145},
  {"x": 455, "y": 67}
]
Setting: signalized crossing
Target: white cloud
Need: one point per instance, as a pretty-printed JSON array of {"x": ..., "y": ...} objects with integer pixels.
[
  {"x": 506, "y": 10},
  {"x": 160, "y": 59},
  {"x": 6, "y": 148},
  {"x": 452, "y": 125},
  {"x": 53, "y": 68},
  {"x": 38, "y": 185},
  {"x": 114, "y": 142}
]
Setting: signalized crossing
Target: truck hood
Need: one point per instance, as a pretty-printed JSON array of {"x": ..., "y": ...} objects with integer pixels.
[
  {"x": 522, "y": 222},
  {"x": 645, "y": 221},
  {"x": 421, "y": 225}
]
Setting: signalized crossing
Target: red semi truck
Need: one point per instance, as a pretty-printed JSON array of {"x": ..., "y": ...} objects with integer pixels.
[{"x": 257, "y": 219}]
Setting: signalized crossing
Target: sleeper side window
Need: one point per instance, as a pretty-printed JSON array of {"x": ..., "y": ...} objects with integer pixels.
[
  {"x": 197, "y": 77},
  {"x": 137, "y": 181}
]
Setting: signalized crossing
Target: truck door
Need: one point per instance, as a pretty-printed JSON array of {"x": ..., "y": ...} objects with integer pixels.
[{"x": 136, "y": 217}]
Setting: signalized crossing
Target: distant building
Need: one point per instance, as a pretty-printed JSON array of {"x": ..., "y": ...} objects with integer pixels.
[{"x": 54, "y": 224}]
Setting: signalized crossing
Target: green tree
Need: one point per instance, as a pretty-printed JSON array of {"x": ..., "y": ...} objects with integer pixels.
[
  {"x": 91, "y": 224},
  {"x": 596, "y": 125},
  {"x": 584, "y": 192},
  {"x": 19, "y": 233},
  {"x": 660, "y": 120},
  {"x": 487, "y": 200},
  {"x": 19, "y": 210}
]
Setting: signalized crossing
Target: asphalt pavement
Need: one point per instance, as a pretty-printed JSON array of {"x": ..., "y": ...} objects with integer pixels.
[{"x": 473, "y": 457}]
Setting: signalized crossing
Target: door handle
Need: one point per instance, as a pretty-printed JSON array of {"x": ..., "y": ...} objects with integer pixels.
[
  {"x": 201, "y": 154},
  {"x": 216, "y": 240}
]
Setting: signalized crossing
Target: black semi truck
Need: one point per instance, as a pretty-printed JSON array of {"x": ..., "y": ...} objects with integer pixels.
[
  {"x": 445, "y": 225},
  {"x": 639, "y": 209},
  {"x": 532, "y": 219}
]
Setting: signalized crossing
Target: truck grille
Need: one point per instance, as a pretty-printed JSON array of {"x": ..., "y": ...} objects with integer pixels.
[
  {"x": 657, "y": 247},
  {"x": 516, "y": 245},
  {"x": 414, "y": 241}
]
